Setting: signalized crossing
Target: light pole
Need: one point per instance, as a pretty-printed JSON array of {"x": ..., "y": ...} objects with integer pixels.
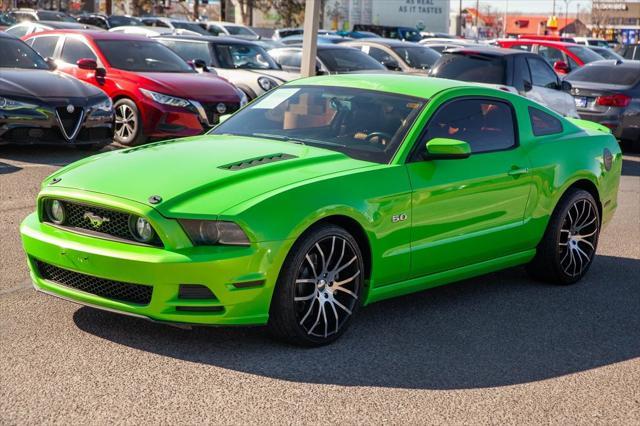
[
  {"x": 310, "y": 38},
  {"x": 504, "y": 23}
]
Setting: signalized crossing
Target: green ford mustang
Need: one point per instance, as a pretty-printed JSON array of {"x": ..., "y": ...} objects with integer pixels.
[{"x": 322, "y": 196}]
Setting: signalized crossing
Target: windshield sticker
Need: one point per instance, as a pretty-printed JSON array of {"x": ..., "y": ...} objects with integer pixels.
[{"x": 276, "y": 98}]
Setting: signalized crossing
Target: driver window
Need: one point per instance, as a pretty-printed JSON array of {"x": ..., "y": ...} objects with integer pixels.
[{"x": 486, "y": 125}]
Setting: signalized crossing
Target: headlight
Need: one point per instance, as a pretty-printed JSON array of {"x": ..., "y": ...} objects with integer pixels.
[
  {"x": 266, "y": 83},
  {"x": 166, "y": 99},
  {"x": 243, "y": 98},
  {"x": 104, "y": 106},
  {"x": 141, "y": 229},
  {"x": 211, "y": 232},
  {"x": 55, "y": 211},
  {"x": 11, "y": 104}
]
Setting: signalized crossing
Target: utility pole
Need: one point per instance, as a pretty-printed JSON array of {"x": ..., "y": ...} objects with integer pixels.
[
  {"x": 506, "y": 15},
  {"x": 459, "y": 29},
  {"x": 310, "y": 37},
  {"x": 477, "y": 13},
  {"x": 196, "y": 10},
  {"x": 223, "y": 10}
]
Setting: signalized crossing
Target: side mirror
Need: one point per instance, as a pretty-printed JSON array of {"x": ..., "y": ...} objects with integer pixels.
[
  {"x": 51, "y": 63},
  {"x": 565, "y": 86},
  {"x": 445, "y": 148},
  {"x": 527, "y": 86},
  {"x": 561, "y": 67},
  {"x": 87, "y": 64},
  {"x": 392, "y": 65},
  {"x": 198, "y": 65}
]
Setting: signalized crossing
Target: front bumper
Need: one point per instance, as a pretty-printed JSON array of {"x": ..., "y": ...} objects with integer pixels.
[{"x": 219, "y": 269}]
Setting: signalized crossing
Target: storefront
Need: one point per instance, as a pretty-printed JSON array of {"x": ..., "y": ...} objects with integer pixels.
[{"x": 616, "y": 20}]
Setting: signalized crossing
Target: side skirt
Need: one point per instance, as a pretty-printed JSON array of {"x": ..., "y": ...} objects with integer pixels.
[{"x": 446, "y": 277}]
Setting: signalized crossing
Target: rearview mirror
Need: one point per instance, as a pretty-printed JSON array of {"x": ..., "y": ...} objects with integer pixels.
[
  {"x": 87, "y": 64},
  {"x": 561, "y": 67},
  {"x": 527, "y": 86},
  {"x": 445, "y": 148}
]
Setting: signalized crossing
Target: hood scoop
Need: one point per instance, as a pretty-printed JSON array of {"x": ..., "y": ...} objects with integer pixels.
[{"x": 258, "y": 161}]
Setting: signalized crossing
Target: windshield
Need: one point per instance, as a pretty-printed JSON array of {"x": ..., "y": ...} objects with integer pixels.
[
  {"x": 142, "y": 56},
  {"x": 584, "y": 54},
  {"x": 120, "y": 21},
  {"x": 363, "y": 124},
  {"x": 473, "y": 68},
  {"x": 244, "y": 56},
  {"x": 409, "y": 35},
  {"x": 348, "y": 60},
  {"x": 238, "y": 30},
  {"x": 607, "y": 53},
  {"x": 191, "y": 26},
  {"x": 418, "y": 57},
  {"x": 611, "y": 74},
  {"x": 16, "y": 54},
  {"x": 45, "y": 15}
]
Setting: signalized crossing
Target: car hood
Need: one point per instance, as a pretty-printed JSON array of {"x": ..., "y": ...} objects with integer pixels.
[
  {"x": 192, "y": 86},
  {"x": 43, "y": 84},
  {"x": 203, "y": 175}
]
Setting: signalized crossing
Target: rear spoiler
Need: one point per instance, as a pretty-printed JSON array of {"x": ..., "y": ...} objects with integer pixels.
[{"x": 588, "y": 125}]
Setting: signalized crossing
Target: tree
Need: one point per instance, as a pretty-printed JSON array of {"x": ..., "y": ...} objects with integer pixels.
[{"x": 289, "y": 12}]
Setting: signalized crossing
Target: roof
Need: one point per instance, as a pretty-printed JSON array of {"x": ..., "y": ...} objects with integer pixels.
[
  {"x": 97, "y": 35},
  {"x": 208, "y": 39},
  {"x": 542, "y": 42},
  {"x": 389, "y": 42},
  {"x": 404, "y": 84},
  {"x": 490, "y": 51},
  {"x": 530, "y": 24},
  {"x": 319, "y": 47}
]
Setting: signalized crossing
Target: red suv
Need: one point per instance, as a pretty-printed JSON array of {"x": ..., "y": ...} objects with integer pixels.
[
  {"x": 564, "y": 57},
  {"x": 155, "y": 93}
]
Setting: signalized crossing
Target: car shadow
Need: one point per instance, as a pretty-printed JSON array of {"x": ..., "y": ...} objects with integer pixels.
[
  {"x": 47, "y": 154},
  {"x": 6, "y": 168},
  {"x": 631, "y": 165},
  {"x": 495, "y": 330}
]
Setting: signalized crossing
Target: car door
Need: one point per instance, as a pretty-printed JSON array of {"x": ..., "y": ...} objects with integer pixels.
[
  {"x": 546, "y": 90},
  {"x": 466, "y": 211}
]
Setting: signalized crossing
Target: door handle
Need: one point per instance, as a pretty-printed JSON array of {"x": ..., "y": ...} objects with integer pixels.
[{"x": 518, "y": 171}]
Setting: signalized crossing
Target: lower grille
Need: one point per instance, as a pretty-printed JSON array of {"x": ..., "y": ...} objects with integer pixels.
[{"x": 109, "y": 289}]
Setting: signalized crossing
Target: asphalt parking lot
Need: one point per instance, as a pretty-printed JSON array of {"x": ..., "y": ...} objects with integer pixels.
[{"x": 491, "y": 350}]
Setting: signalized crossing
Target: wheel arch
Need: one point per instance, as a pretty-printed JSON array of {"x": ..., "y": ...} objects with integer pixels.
[{"x": 586, "y": 185}]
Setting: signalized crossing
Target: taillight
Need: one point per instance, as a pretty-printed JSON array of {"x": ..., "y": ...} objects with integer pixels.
[{"x": 617, "y": 100}]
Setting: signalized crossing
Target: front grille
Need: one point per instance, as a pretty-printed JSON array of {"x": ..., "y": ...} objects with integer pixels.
[
  {"x": 109, "y": 289},
  {"x": 115, "y": 223},
  {"x": 70, "y": 121},
  {"x": 213, "y": 116}
]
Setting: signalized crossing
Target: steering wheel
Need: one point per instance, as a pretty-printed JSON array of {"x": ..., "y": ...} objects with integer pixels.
[{"x": 380, "y": 135}]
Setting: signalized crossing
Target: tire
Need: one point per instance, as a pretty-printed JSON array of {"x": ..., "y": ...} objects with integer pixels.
[
  {"x": 569, "y": 244},
  {"x": 319, "y": 288},
  {"x": 128, "y": 125}
]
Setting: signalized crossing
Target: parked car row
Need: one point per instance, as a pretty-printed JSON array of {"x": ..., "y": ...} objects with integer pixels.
[{"x": 170, "y": 77}]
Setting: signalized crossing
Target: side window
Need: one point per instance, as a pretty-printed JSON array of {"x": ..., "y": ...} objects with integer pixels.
[
  {"x": 544, "y": 124},
  {"x": 572, "y": 64},
  {"x": 542, "y": 74},
  {"x": 485, "y": 124},
  {"x": 550, "y": 54},
  {"x": 73, "y": 50},
  {"x": 214, "y": 29},
  {"x": 291, "y": 59},
  {"x": 522, "y": 73},
  {"x": 377, "y": 54},
  {"x": 45, "y": 45}
]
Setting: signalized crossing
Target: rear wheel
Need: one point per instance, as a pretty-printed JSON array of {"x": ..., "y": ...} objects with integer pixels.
[
  {"x": 128, "y": 127},
  {"x": 569, "y": 244},
  {"x": 319, "y": 288}
]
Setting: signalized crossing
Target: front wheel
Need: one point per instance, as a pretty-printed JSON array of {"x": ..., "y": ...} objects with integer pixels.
[
  {"x": 128, "y": 126},
  {"x": 319, "y": 288},
  {"x": 569, "y": 244}
]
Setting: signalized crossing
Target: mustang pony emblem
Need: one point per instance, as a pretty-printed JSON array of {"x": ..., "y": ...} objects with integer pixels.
[{"x": 96, "y": 221}]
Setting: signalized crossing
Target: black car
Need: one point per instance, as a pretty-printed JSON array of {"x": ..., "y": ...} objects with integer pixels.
[
  {"x": 391, "y": 31},
  {"x": 608, "y": 92},
  {"x": 107, "y": 22},
  {"x": 511, "y": 69},
  {"x": 331, "y": 59},
  {"x": 40, "y": 106}
]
